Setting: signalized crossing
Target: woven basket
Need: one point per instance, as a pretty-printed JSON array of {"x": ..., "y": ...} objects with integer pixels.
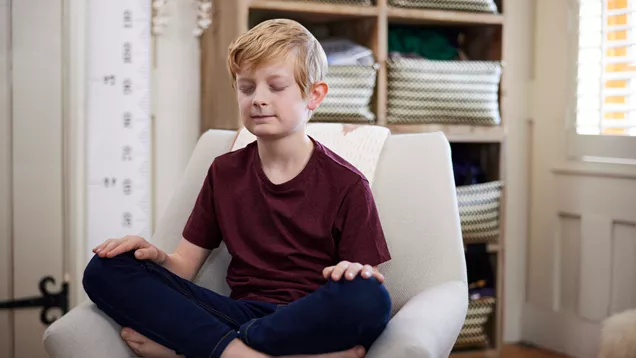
[
  {"x": 445, "y": 92},
  {"x": 458, "y": 5},
  {"x": 349, "y": 96},
  {"x": 473, "y": 333},
  {"x": 344, "y": 2},
  {"x": 479, "y": 206}
]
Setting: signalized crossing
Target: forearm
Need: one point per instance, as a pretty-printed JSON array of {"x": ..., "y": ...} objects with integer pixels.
[{"x": 176, "y": 264}]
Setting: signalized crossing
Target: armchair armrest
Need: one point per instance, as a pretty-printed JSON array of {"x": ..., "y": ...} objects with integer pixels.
[
  {"x": 427, "y": 326},
  {"x": 85, "y": 332}
]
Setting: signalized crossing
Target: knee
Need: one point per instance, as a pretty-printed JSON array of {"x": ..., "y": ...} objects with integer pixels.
[
  {"x": 366, "y": 299},
  {"x": 100, "y": 271}
]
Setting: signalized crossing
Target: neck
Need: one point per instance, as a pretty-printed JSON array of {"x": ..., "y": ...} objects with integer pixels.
[{"x": 284, "y": 152}]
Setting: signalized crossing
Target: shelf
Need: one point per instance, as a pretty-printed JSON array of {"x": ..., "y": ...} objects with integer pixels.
[
  {"x": 476, "y": 353},
  {"x": 427, "y": 16},
  {"x": 454, "y": 133},
  {"x": 332, "y": 10},
  {"x": 490, "y": 248},
  {"x": 493, "y": 248}
]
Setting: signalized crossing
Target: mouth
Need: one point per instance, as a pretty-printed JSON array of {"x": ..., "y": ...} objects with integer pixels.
[{"x": 261, "y": 117}]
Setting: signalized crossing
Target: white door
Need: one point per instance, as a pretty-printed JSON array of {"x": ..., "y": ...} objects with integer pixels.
[
  {"x": 582, "y": 239},
  {"x": 6, "y": 330},
  {"x": 31, "y": 165}
]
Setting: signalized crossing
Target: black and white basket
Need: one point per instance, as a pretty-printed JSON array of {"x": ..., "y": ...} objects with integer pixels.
[
  {"x": 473, "y": 333},
  {"x": 479, "y": 212},
  {"x": 456, "y": 5},
  {"x": 444, "y": 92},
  {"x": 350, "y": 92}
]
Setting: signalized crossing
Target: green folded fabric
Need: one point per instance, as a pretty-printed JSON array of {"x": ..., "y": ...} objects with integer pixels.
[{"x": 428, "y": 43}]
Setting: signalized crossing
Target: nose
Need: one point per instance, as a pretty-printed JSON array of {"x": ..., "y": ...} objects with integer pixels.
[
  {"x": 259, "y": 103},
  {"x": 260, "y": 97}
]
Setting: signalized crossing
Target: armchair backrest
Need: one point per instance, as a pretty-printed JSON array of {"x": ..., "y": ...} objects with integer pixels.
[{"x": 415, "y": 192}]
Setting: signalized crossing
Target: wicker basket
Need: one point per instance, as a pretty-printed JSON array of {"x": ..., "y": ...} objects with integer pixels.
[
  {"x": 445, "y": 92},
  {"x": 479, "y": 206},
  {"x": 349, "y": 96},
  {"x": 457, "y": 5},
  {"x": 473, "y": 333},
  {"x": 344, "y": 2}
]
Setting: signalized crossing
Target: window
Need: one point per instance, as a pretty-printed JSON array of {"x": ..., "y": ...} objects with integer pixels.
[
  {"x": 605, "y": 108},
  {"x": 606, "y": 102}
]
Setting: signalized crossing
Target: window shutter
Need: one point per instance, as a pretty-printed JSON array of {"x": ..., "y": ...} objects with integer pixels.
[{"x": 606, "y": 79}]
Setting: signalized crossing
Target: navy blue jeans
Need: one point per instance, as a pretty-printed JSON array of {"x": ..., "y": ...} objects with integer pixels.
[{"x": 197, "y": 322}]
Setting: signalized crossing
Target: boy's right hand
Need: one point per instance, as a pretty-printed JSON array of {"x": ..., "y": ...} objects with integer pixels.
[{"x": 143, "y": 249}]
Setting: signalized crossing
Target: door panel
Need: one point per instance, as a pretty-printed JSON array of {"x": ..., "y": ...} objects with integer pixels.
[
  {"x": 37, "y": 159},
  {"x": 6, "y": 323}
]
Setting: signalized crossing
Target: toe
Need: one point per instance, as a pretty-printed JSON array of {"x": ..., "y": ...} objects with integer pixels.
[
  {"x": 131, "y": 335},
  {"x": 136, "y": 347}
]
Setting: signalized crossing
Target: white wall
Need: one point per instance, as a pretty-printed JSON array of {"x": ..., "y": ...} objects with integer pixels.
[
  {"x": 176, "y": 100},
  {"x": 517, "y": 54}
]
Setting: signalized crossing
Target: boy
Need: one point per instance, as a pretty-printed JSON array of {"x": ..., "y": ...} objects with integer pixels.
[{"x": 299, "y": 222}]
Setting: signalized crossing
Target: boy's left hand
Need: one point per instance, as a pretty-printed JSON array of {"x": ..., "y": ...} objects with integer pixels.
[{"x": 351, "y": 270}]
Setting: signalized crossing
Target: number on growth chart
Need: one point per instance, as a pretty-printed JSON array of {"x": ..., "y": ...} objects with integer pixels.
[
  {"x": 108, "y": 182},
  {"x": 128, "y": 19},
  {"x": 127, "y": 120},
  {"x": 109, "y": 80},
  {"x": 126, "y": 153},
  {"x": 127, "y": 52},
  {"x": 127, "y": 86},
  {"x": 127, "y": 185},
  {"x": 127, "y": 219}
]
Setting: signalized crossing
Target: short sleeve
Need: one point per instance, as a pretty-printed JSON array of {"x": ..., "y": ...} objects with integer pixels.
[
  {"x": 361, "y": 238},
  {"x": 202, "y": 227}
]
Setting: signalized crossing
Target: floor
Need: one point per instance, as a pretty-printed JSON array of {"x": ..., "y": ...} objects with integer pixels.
[{"x": 513, "y": 351}]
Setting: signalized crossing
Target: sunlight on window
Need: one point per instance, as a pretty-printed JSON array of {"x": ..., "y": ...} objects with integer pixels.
[{"x": 606, "y": 68}]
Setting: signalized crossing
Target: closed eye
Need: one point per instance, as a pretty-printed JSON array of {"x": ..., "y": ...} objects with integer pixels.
[{"x": 246, "y": 90}]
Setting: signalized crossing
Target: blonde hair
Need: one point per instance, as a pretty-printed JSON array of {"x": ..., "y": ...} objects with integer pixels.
[{"x": 276, "y": 39}]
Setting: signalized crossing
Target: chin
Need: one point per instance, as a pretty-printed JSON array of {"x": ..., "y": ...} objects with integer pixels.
[{"x": 264, "y": 130}]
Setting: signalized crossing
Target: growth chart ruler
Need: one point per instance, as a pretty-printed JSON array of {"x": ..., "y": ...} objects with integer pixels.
[{"x": 118, "y": 120}]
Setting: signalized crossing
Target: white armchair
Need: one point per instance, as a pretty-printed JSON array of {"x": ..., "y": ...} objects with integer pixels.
[{"x": 415, "y": 193}]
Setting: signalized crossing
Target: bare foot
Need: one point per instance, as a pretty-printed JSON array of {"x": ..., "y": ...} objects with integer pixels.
[
  {"x": 356, "y": 352},
  {"x": 144, "y": 346},
  {"x": 238, "y": 349}
]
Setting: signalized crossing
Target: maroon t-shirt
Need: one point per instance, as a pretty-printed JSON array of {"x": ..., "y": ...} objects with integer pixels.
[{"x": 281, "y": 236}]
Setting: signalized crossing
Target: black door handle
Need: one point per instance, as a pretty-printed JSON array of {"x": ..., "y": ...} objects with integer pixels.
[{"x": 47, "y": 301}]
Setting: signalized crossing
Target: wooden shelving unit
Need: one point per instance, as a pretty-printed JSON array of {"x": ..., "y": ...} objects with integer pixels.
[
  {"x": 425, "y": 16},
  {"x": 455, "y": 133},
  {"x": 368, "y": 26},
  {"x": 298, "y": 7}
]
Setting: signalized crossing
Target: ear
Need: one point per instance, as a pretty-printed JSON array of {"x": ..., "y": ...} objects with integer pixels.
[{"x": 317, "y": 95}]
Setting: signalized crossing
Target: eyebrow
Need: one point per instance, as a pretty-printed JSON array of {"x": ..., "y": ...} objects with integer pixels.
[{"x": 272, "y": 77}]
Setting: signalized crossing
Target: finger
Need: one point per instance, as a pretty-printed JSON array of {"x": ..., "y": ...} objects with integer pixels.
[
  {"x": 109, "y": 246},
  {"x": 367, "y": 271},
  {"x": 340, "y": 269},
  {"x": 101, "y": 246},
  {"x": 148, "y": 253},
  {"x": 353, "y": 271},
  {"x": 327, "y": 271},
  {"x": 125, "y": 245},
  {"x": 378, "y": 276}
]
